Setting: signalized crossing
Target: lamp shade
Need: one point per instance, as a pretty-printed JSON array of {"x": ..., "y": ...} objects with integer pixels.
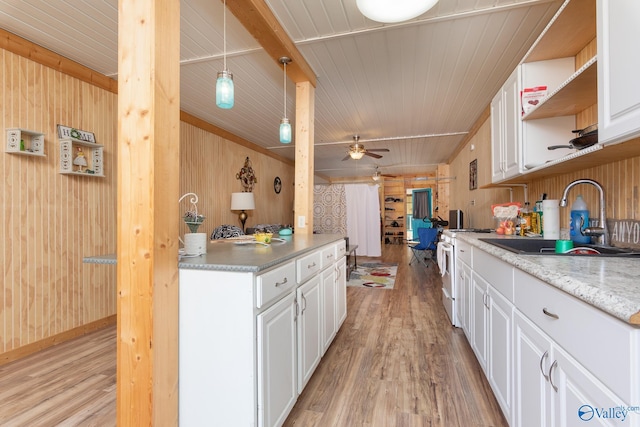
[
  {"x": 394, "y": 11},
  {"x": 242, "y": 201}
]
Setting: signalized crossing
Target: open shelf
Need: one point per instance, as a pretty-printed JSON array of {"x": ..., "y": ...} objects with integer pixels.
[
  {"x": 570, "y": 30},
  {"x": 579, "y": 92},
  {"x": 25, "y": 142},
  {"x": 93, "y": 154}
]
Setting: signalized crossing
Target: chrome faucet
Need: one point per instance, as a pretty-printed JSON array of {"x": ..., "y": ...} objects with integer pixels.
[{"x": 600, "y": 232}]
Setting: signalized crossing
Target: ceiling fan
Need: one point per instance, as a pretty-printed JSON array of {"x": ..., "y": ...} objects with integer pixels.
[{"x": 357, "y": 150}]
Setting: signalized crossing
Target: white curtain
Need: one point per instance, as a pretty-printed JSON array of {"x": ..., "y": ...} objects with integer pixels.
[{"x": 363, "y": 218}]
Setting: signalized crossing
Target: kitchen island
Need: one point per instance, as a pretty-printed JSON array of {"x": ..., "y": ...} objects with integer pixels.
[{"x": 255, "y": 321}]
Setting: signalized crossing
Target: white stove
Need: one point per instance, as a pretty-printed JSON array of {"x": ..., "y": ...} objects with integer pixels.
[{"x": 447, "y": 264}]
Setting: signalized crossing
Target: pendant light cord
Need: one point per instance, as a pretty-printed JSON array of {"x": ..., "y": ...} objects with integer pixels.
[
  {"x": 284, "y": 79},
  {"x": 224, "y": 36}
]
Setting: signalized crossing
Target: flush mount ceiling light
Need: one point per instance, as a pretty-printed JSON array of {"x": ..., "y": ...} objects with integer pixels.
[
  {"x": 388, "y": 12},
  {"x": 285, "y": 126},
  {"x": 224, "y": 84}
]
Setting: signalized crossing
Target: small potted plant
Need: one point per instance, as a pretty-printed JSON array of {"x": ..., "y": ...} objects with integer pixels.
[{"x": 193, "y": 220}]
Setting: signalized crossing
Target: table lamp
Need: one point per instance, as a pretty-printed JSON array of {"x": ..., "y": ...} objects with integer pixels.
[{"x": 242, "y": 202}]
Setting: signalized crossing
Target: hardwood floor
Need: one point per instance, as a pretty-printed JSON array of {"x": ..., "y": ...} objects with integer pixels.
[{"x": 396, "y": 361}]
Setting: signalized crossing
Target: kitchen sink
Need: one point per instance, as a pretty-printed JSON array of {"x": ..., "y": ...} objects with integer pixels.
[{"x": 526, "y": 246}]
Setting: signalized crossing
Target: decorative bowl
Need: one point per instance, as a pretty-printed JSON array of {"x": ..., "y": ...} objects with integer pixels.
[
  {"x": 263, "y": 237},
  {"x": 285, "y": 232}
]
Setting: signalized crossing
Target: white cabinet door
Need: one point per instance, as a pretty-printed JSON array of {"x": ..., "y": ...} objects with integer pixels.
[
  {"x": 499, "y": 353},
  {"x": 328, "y": 308},
  {"x": 512, "y": 137},
  {"x": 506, "y": 152},
  {"x": 497, "y": 136},
  {"x": 582, "y": 399},
  {"x": 310, "y": 315},
  {"x": 531, "y": 361},
  {"x": 277, "y": 392},
  {"x": 341, "y": 292},
  {"x": 618, "y": 65},
  {"x": 463, "y": 300},
  {"x": 479, "y": 309}
]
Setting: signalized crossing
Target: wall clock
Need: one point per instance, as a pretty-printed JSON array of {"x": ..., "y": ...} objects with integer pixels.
[{"x": 277, "y": 185}]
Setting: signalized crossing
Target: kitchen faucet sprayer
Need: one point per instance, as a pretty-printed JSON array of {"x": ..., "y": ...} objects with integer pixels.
[{"x": 600, "y": 232}]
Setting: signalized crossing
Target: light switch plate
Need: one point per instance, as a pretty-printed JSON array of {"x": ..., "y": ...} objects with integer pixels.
[{"x": 301, "y": 221}]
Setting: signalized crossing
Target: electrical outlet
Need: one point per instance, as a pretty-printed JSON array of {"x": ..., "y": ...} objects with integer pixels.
[{"x": 301, "y": 221}]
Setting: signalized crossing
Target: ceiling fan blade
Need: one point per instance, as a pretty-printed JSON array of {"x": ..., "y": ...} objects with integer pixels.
[
  {"x": 375, "y": 156},
  {"x": 381, "y": 150},
  {"x": 347, "y": 157}
]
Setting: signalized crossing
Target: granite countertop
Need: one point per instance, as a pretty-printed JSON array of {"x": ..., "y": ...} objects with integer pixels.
[
  {"x": 230, "y": 255},
  {"x": 611, "y": 284}
]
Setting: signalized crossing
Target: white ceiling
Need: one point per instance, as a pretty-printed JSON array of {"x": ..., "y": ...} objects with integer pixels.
[{"x": 415, "y": 88}]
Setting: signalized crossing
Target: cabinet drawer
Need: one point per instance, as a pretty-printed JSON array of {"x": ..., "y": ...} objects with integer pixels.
[
  {"x": 495, "y": 271},
  {"x": 605, "y": 346},
  {"x": 463, "y": 252},
  {"x": 274, "y": 283},
  {"x": 342, "y": 248},
  {"x": 308, "y": 266},
  {"x": 329, "y": 256}
]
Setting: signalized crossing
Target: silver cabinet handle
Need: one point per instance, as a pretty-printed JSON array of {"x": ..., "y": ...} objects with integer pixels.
[
  {"x": 311, "y": 265},
  {"x": 553, "y": 365},
  {"x": 553, "y": 315},
  {"x": 329, "y": 256},
  {"x": 281, "y": 283},
  {"x": 304, "y": 305},
  {"x": 544, "y": 356}
]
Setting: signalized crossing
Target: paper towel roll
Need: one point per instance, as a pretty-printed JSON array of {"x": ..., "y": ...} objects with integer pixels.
[
  {"x": 551, "y": 219},
  {"x": 195, "y": 243}
]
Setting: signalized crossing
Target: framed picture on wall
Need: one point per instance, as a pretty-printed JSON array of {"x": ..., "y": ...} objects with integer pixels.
[{"x": 473, "y": 174}]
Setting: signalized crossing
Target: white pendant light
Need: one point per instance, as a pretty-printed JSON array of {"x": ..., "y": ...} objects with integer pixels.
[
  {"x": 224, "y": 84},
  {"x": 285, "y": 126},
  {"x": 388, "y": 11},
  {"x": 376, "y": 175}
]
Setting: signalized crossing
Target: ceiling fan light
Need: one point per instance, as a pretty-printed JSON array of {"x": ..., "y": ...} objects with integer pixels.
[
  {"x": 224, "y": 90},
  {"x": 389, "y": 12},
  {"x": 356, "y": 155},
  {"x": 376, "y": 176}
]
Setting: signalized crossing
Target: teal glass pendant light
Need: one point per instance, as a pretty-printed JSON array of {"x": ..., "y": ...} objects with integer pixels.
[
  {"x": 224, "y": 84},
  {"x": 285, "y": 126}
]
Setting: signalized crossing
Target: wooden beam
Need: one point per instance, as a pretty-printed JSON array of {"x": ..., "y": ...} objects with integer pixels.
[
  {"x": 147, "y": 225},
  {"x": 262, "y": 24},
  {"x": 304, "y": 169},
  {"x": 204, "y": 125}
]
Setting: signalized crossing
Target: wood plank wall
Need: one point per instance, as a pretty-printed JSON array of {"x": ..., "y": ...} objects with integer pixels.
[
  {"x": 208, "y": 167},
  {"x": 620, "y": 180},
  {"x": 51, "y": 221}
]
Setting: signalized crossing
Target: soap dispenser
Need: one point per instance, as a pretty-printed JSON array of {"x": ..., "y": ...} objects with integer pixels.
[{"x": 579, "y": 221}]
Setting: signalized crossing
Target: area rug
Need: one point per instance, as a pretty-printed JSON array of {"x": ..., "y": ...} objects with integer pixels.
[{"x": 376, "y": 275}]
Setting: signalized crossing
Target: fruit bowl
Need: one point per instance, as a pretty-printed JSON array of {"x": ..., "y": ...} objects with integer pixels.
[{"x": 263, "y": 237}]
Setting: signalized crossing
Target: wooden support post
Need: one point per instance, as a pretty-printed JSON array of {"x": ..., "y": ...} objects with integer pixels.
[
  {"x": 304, "y": 169},
  {"x": 147, "y": 207}
]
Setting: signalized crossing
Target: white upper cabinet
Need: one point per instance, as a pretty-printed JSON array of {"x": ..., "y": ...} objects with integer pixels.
[
  {"x": 506, "y": 146},
  {"x": 618, "y": 65}
]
